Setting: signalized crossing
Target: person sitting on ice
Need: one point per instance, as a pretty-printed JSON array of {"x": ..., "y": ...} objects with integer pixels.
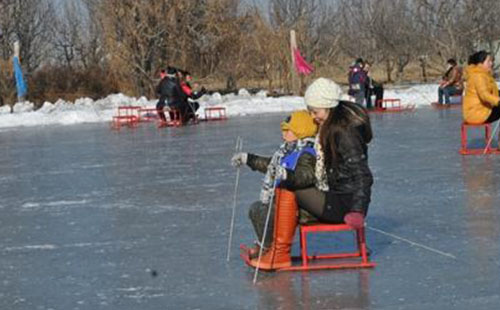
[
  {"x": 481, "y": 99},
  {"x": 343, "y": 177},
  {"x": 289, "y": 169},
  {"x": 357, "y": 81},
  {"x": 372, "y": 87},
  {"x": 189, "y": 95},
  {"x": 170, "y": 94},
  {"x": 452, "y": 82}
]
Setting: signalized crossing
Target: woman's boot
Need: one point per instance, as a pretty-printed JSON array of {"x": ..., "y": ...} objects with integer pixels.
[{"x": 285, "y": 222}]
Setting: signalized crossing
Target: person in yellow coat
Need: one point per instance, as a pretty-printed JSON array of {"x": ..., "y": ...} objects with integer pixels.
[{"x": 481, "y": 101}]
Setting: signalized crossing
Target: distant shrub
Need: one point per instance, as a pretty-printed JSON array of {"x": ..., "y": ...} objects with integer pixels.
[{"x": 53, "y": 83}]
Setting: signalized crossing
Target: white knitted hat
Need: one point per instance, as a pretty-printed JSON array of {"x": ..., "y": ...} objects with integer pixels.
[{"x": 324, "y": 93}]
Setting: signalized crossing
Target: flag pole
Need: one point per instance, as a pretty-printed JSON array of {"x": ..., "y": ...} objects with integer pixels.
[{"x": 293, "y": 46}]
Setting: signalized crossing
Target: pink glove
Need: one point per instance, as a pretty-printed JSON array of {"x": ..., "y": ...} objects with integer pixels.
[{"x": 354, "y": 219}]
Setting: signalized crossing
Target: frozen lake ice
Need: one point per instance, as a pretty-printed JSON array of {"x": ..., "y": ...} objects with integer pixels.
[{"x": 139, "y": 219}]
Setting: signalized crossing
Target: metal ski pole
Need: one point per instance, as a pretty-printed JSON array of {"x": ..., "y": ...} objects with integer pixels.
[
  {"x": 268, "y": 216},
  {"x": 238, "y": 148},
  {"x": 491, "y": 138}
]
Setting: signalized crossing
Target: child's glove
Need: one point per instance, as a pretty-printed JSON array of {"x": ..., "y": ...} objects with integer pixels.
[
  {"x": 354, "y": 219},
  {"x": 239, "y": 159}
]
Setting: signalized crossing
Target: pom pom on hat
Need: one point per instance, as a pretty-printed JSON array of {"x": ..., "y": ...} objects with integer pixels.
[
  {"x": 324, "y": 93},
  {"x": 301, "y": 124}
]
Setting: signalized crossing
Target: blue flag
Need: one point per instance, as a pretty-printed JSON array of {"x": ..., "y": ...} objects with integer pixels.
[{"x": 22, "y": 89}]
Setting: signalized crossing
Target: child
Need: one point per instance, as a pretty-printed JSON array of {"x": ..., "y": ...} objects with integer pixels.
[{"x": 292, "y": 167}]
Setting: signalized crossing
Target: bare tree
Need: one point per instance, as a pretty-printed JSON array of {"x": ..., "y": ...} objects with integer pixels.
[
  {"x": 128, "y": 41},
  {"x": 77, "y": 39},
  {"x": 305, "y": 17},
  {"x": 482, "y": 18},
  {"x": 27, "y": 21},
  {"x": 447, "y": 27},
  {"x": 136, "y": 39}
]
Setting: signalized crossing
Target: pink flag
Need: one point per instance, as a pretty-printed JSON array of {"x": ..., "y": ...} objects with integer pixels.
[{"x": 301, "y": 65}]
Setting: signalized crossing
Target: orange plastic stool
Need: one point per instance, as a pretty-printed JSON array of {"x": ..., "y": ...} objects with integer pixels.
[
  {"x": 477, "y": 151},
  {"x": 357, "y": 259}
]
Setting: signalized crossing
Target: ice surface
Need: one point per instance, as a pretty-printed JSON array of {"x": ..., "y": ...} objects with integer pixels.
[{"x": 139, "y": 219}]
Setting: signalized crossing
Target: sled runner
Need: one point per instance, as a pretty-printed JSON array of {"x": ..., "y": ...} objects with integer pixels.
[{"x": 245, "y": 254}]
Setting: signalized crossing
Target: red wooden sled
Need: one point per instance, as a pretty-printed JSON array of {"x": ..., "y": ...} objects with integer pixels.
[
  {"x": 126, "y": 116},
  {"x": 215, "y": 114},
  {"x": 391, "y": 106},
  {"x": 356, "y": 259}
]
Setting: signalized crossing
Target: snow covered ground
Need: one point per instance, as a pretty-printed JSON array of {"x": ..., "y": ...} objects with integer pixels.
[{"x": 86, "y": 110}]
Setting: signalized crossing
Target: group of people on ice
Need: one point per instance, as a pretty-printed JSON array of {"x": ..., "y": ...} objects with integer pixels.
[
  {"x": 480, "y": 98},
  {"x": 176, "y": 92},
  {"x": 362, "y": 86},
  {"x": 320, "y": 168}
]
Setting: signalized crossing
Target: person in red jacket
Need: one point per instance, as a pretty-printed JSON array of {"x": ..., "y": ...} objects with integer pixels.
[{"x": 188, "y": 93}]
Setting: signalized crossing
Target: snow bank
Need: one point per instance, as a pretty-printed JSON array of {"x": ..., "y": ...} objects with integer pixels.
[{"x": 86, "y": 110}]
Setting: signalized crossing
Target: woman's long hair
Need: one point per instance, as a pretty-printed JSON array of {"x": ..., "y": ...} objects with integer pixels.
[
  {"x": 340, "y": 118},
  {"x": 478, "y": 57}
]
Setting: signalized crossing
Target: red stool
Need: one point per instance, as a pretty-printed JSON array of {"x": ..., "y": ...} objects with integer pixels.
[
  {"x": 487, "y": 136},
  {"x": 357, "y": 259},
  {"x": 215, "y": 113},
  {"x": 127, "y": 115},
  {"x": 392, "y": 105},
  {"x": 121, "y": 120},
  {"x": 174, "y": 118},
  {"x": 147, "y": 114}
]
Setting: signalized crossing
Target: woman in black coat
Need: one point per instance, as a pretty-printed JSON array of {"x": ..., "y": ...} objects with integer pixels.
[{"x": 343, "y": 177}]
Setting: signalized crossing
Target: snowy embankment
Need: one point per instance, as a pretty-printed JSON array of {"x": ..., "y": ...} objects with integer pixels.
[{"x": 86, "y": 110}]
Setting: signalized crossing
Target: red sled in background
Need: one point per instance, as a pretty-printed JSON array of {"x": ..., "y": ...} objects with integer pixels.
[{"x": 391, "y": 106}]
